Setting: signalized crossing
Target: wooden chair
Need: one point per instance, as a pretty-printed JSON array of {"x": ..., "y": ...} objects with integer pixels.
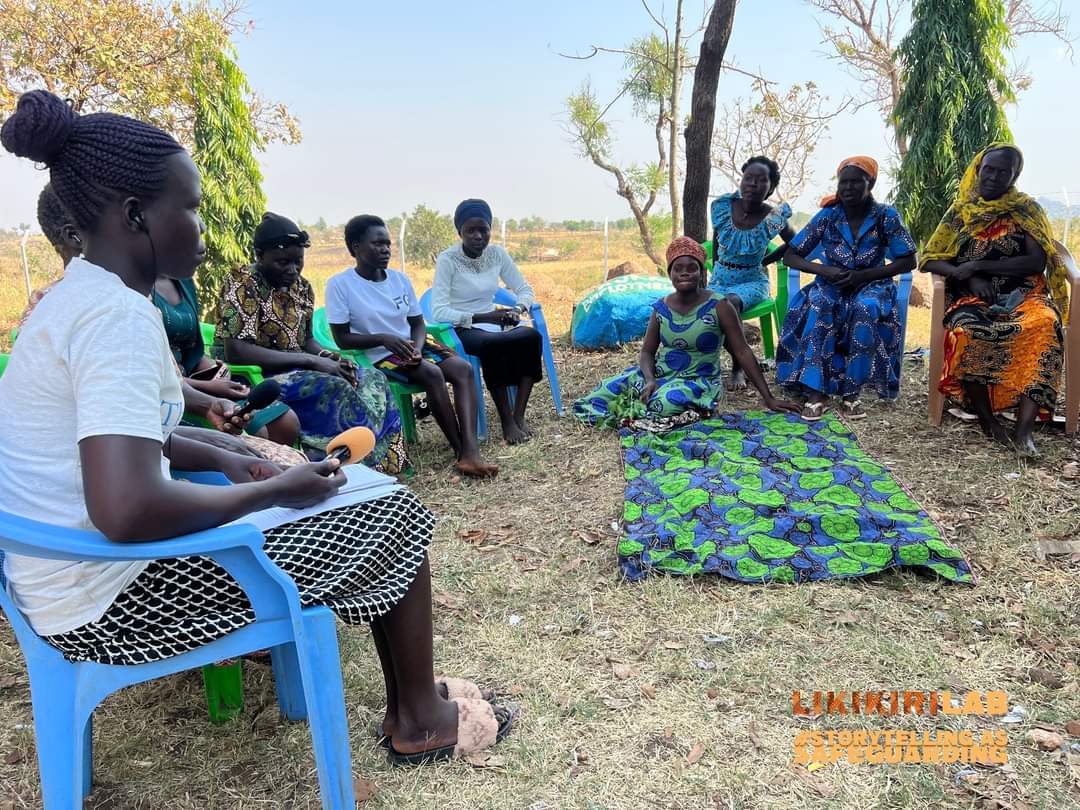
[{"x": 936, "y": 399}]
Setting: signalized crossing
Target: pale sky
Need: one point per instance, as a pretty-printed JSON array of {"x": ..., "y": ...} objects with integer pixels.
[{"x": 424, "y": 101}]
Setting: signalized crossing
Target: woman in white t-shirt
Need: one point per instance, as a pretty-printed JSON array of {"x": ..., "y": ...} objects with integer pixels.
[
  {"x": 467, "y": 276},
  {"x": 373, "y": 308},
  {"x": 73, "y": 453}
]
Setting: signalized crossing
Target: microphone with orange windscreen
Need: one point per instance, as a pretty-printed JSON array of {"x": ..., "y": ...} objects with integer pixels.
[{"x": 352, "y": 446}]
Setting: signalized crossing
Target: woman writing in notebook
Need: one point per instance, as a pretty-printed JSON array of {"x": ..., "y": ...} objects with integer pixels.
[{"x": 73, "y": 454}]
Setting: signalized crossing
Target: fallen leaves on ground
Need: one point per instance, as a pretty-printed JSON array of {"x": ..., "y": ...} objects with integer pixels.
[
  {"x": 1046, "y": 547},
  {"x": 755, "y": 740},
  {"x": 362, "y": 789},
  {"x": 1073, "y": 727},
  {"x": 649, "y": 691},
  {"x": 482, "y": 759},
  {"x": 1046, "y": 740},
  {"x": 623, "y": 671},
  {"x": 818, "y": 784},
  {"x": 697, "y": 751}
]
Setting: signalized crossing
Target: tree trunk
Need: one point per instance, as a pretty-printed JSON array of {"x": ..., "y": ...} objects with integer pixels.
[
  {"x": 699, "y": 132},
  {"x": 673, "y": 126}
]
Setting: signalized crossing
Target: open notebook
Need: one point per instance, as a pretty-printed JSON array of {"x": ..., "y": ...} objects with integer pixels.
[{"x": 363, "y": 484}]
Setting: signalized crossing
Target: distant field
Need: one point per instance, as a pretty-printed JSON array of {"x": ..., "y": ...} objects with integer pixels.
[{"x": 558, "y": 282}]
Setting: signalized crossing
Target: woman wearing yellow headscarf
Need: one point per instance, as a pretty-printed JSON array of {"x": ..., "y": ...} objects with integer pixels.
[{"x": 1007, "y": 291}]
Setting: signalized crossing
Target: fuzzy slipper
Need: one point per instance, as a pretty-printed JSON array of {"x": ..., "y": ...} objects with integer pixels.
[
  {"x": 450, "y": 689},
  {"x": 479, "y": 726}
]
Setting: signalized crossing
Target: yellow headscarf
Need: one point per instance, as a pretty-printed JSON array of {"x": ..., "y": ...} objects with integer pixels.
[{"x": 970, "y": 214}]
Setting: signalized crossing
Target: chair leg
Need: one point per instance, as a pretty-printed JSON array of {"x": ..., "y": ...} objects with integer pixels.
[
  {"x": 481, "y": 410},
  {"x": 553, "y": 377},
  {"x": 288, "y": 683},
  {"x": 408, "y": 415},
  {"x": 1072, "y": 379},
  {"x": 768, "y": 344},
  {"x": 64, "y": 731},
  {"x": 326, "y": 710}
]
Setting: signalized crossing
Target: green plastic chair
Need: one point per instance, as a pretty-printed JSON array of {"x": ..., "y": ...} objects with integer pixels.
[
  {"x": 403, "y": 392},
  {"x": 253, "y": 374},
  {"x": 3, "y": 363},
  {"x": 768, "y": 311}
]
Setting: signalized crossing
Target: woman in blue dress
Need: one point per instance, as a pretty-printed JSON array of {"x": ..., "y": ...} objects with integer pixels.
[
  {"x": 842, "y": 330},
  {"x": 743, "y": 227}
]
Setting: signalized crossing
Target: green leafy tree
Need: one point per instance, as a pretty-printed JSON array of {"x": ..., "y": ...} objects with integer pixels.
[
  {"x": 954, "y": 75},
  {"x": 225, "y": 143},
  {"x": 427, "y": 234}
]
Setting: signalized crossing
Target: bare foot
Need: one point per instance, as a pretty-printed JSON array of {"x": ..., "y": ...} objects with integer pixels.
[
  {"x": 996, "y": 431},
  {"x": 475, "y": 467},
  {"x": 514, "y": 434},
  {"x": 525, "y": 427},
  {"x": 738, "y": 380},
  {"x": 1025, "y": 445}
]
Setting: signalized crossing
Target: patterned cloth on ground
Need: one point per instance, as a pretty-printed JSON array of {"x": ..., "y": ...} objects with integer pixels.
[
  {"x": 760, "y": 497},
  {"x": 687, "y": 372},
  {"x": 359, "y": 561}
]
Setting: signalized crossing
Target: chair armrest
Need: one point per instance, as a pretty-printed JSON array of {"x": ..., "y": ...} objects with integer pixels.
[
  {"x": 1073, "y": 272},
  {"x": 30, "y": 538},
  {"x": 254, "y": 374}
]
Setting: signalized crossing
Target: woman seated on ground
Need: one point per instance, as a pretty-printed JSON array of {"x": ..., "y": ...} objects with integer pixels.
[
  {"x": 71, "y": 456},
  {"x": 374, "y": 308},
  {"x": 264, "y": 319},
  {"x": 1007, "y": 291},
  {"x": 179, "y": 306},
  {"x": 842, "y": 330},
  {"x": 683, "y": 382},
  {"x": 467, "y": 277},
  {"x": 743, "y": 227}
]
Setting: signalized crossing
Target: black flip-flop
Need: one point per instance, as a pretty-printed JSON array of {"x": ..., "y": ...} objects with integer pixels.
[{"x": 447, "y": 751}]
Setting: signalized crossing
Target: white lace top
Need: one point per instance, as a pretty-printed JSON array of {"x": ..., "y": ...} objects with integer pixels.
[{"x": 464, "y": 287}]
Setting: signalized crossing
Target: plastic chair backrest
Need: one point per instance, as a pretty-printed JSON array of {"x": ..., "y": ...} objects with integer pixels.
[
  {"x": 3, "y": 363},
  {"x": 207, "y": 331}
]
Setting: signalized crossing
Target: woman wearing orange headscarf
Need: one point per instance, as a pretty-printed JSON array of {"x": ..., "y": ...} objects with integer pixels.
[
  {"x": 842, "y": 331},
  {"x": 677, "y": 378}
]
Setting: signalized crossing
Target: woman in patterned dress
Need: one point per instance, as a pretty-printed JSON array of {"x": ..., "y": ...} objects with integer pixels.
[
  {"x": 75, "y": 455},
  {"x": 842, "y": 331},
  {"x": 743, "y": 227},
  {"x": 264, "y": 319},
  {"x": 678, "y": 371},
  {"x": 1007, "y": 291}
]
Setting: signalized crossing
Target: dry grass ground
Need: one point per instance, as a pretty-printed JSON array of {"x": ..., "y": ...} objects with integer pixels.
[{"x": 532, "y": 607}]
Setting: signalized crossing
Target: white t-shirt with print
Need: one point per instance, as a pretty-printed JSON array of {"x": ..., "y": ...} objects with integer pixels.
[
  {"x": 372, "y": 307},
  {"x": 91, "y": 360}
]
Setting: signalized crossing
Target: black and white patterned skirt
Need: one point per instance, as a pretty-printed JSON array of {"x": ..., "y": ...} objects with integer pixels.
[{"x": 358, "y": 561}]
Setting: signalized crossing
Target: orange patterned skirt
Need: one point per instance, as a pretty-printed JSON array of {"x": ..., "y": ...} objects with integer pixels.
[{"x": 1014, "y": 353}]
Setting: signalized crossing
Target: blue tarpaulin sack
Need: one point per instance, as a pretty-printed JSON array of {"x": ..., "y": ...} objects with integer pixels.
[{"x": 616, "y": 311}]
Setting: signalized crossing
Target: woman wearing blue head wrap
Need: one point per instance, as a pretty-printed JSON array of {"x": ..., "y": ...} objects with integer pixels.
[{"x": 467, "y": 276}]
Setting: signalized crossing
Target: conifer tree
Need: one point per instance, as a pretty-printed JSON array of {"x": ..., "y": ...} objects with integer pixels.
[{"x": 955, "y": 81}]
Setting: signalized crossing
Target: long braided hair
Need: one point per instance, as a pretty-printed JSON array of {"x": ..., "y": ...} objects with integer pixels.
[{"x": 91, "y": 158}]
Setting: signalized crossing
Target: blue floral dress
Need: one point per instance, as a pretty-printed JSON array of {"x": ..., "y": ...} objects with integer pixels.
[
  {"x": 836, "y": 341},
  {"x": 737, "y": 268},
  {"x": 687, "y": 371}
]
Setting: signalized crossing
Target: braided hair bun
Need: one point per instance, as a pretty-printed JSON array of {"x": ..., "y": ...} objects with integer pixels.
[
  {"x": 40, "y": 127},
  {"x": 90, "y": 157}
]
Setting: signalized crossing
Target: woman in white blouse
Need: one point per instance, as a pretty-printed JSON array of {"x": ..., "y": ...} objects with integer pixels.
[{"x": 467, "y": 277}]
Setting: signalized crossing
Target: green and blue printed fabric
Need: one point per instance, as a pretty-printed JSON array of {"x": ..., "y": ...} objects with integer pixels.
[{"x": 767, "y": 497}]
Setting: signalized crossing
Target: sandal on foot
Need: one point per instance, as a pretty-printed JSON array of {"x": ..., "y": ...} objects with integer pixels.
[
  {"x": 479, "y": 726},
  {"x": 853, "y": 409},
  {"x": 813, "y": 411},
  {"x": 449, "y": 689}
]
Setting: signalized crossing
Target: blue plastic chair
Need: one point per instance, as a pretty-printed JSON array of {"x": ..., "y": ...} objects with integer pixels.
[
  {"x": 303, "y": 645},
  {"x": 506, "y": 298},
  {"x": 903, "y": 295}
]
